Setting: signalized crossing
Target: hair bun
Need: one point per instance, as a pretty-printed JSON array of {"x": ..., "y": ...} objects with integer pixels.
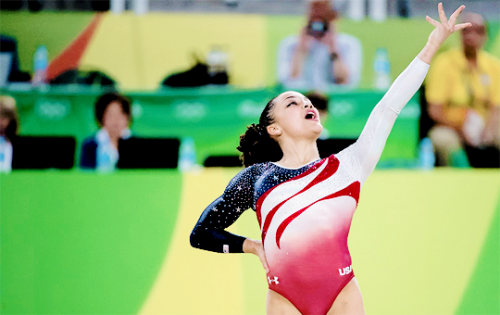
[{"x": 257, "y": 146}]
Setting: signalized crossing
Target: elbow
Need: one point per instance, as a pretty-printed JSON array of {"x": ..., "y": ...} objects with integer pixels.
[{"x": 194, "y": 238}]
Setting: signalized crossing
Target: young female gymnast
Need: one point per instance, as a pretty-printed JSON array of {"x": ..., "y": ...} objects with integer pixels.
[{"x": 305, "y": 204}]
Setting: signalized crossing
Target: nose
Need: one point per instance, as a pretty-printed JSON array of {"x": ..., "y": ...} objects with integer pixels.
[{"x": 308, "y": 105}]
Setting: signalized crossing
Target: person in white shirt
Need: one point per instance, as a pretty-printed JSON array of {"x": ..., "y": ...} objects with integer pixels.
[
  {"x": 319, "y": 57},
  {"x": 9, "y": 125}
]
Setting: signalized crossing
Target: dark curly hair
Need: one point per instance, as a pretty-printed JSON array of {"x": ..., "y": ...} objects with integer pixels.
[
  {"x": 103, "y": 102},
  {"x": 256, "y": 145}
]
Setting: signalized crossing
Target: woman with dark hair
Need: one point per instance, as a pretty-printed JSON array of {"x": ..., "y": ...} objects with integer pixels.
[
  {"x": 113, "y": 116},
  {"x": 305, "y": 204},
  {"x": 9, "y": 125}
]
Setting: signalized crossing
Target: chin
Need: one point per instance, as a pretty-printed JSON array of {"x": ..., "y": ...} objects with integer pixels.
[{"x": 318, "y": 129}]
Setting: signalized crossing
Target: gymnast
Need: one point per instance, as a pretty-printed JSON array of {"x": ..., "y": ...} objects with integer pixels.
[{"x": 305, "y": 204}]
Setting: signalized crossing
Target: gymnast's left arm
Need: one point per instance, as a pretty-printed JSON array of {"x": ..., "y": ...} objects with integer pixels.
[{"x": 366, "y": 152}]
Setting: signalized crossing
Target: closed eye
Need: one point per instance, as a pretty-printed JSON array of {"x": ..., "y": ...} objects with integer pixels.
[{"x": 292, "y": 103}]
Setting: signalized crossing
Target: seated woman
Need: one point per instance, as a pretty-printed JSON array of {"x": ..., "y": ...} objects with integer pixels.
[
  {"x": 100, "y": 151},
  {"x": 9, "y": 124}
]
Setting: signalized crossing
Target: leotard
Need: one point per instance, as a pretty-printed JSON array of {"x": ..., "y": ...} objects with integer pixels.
[{"x": 305, "y": 214}]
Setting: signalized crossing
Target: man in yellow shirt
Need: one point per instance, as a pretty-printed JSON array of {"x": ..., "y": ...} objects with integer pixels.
[{"x": 463, "y": 96}]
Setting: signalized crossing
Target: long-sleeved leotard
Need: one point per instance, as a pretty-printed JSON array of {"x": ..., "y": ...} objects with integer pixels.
[{"x": 305, "y": 214}]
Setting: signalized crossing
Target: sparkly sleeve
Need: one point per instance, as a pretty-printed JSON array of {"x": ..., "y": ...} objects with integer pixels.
[
  {"x": 209, "y": 232},
  {"x": 362, "y": 156}
]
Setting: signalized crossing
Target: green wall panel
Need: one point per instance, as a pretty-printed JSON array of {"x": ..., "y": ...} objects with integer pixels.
[
  {"x": 483, "y": 293},
  {"x": 83, "y": 243}
]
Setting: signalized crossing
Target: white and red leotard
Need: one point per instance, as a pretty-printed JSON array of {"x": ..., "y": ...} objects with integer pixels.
[{"x": 305, "y": 214}]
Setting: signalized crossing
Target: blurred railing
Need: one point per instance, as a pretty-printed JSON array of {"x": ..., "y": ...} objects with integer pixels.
[{"x": 404, "y": 8}]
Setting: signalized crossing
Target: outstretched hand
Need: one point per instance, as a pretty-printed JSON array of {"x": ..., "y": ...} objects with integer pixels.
[
  {"x": 442, "y": 31},
  {"x": 447, "y": 27}
]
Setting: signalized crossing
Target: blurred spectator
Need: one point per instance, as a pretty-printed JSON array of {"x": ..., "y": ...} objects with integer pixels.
[
  {"x": 463, "y": 95},
  {"x": 113, "y": 115},
  {"x": 319, "y": 57},
  {"x": 9, "y": 125},
  {"x": 320, "y": 101}
]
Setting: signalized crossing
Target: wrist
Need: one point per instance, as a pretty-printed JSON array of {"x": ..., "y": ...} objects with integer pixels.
[
  {"x": 428, "y": 52},
  {"x": 433, "y": 46},
  {"x": 249, "y": 246}
]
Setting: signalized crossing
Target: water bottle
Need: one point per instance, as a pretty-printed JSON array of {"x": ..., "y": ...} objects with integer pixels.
[
  {"x": 40, "y": 64},
  {"x": 187, "y": 154},
  {"x": 382, "y": 69},
  {"x": 217, "y": 60},
  {"x": 426, "y": 154},
  {"x": 104, "y": 160},
  {"x": 5, "y": 155}
]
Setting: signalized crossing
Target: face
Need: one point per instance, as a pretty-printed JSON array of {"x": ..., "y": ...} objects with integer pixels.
[
  {"x": 114, "y": 119},
  {"x": 474, "y": 36},
  {"x": 295, "y": 117}
]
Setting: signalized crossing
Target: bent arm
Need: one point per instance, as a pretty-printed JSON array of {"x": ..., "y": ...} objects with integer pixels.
[
  {"x": 437, "y": 114},
  {"x": 340, "y": 68},
  {"x": 209, "y": 232},
  {"x": 297, "y": 62}
]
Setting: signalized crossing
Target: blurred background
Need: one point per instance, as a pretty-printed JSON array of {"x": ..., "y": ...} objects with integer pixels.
[{"x": 119, "y": 122}]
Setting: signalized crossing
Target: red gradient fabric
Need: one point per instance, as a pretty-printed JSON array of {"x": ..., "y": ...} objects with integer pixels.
[{"x": 305, "y": 225}]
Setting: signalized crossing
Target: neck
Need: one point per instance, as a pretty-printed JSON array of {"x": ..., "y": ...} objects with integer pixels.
[
  {"x": 114, "y": 141},
  {"x": 470, "y": 54},
  {"x": 4, "y": 135},
  {"x": 298, "y": 153},
  {"x": 113, "y": 138}
]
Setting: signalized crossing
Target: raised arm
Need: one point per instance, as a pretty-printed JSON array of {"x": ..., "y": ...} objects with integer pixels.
[{"x": 365, "y": 153}]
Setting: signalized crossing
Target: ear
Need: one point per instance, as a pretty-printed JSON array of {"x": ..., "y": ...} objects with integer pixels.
[{"x": 274, "y": 130}]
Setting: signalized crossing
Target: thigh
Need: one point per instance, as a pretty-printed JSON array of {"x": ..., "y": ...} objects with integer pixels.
[
  {"x": 349, "y": 301},
  {"x": 277, "y": 304}
]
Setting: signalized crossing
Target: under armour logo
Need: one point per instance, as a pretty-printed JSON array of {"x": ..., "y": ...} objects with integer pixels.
[{"x": 275, "y": 280}]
